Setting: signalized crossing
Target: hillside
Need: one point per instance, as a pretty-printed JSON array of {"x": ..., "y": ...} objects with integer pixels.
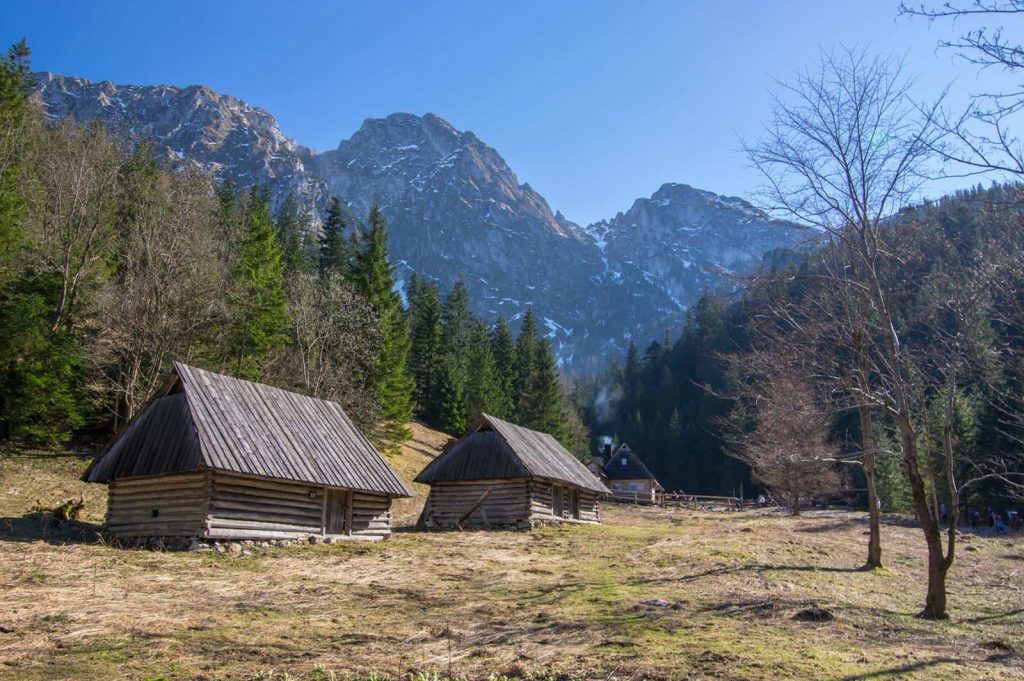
[
  {"x": 455, "y": 209},
  {"x": 651, "y": 594}
]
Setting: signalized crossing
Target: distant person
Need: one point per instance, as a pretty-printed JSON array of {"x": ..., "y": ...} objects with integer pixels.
[
  {"x": 761, "y": 501},
  {"x": 998, "y": 524},
  {"x": 975, "y": 519},
  {"x": 943, "y": 515},
  {"x": 1013, "y": 520}
]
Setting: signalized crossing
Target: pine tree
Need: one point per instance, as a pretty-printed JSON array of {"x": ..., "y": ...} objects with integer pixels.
[
  {"x": 526, "y": 348},
  {"x": 545, "y": 411},
  {"x": 372, "y": 274},
  {"x": 12, "y": 204},
  {"x": 456, "y": 319},
  {"x": 504, "y": 352},
  {"x": 483, "y": 393},
  {"x": 292, "y": 235},
  {"x": 334, "y": 252},
  {"x": 259, "y": 302},
  {"x": 426, "y": 350},
  {"x": 451, "y": 408},
  {"x": 39, "y": 366}
]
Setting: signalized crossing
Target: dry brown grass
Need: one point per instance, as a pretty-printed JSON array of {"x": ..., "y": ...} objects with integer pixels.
[{"x": 569, "y": 599}]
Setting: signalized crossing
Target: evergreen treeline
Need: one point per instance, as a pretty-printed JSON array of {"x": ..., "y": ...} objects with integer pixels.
[
  {"x": 663, "y": 401},
  {"x": 111, "y": 268},
  {"x": 462, "y": 368},
  {"x": 670, "y": 400}
]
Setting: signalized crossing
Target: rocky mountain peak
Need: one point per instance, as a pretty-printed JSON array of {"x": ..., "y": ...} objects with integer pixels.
[{"x": 456, "y": 209}]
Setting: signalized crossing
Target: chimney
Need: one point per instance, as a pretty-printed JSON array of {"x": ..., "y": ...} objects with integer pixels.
[{"x": 604, "y": 450}]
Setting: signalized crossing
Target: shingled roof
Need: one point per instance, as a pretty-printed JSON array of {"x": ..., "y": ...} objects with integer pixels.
[
  {"x": 497, "y": 449},
  {"x": 633, "y": 469},
  {"x": 203, "y": 420}
]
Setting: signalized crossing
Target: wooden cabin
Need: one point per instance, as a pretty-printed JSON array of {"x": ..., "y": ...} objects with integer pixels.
[
  {"x": 217, "y": 458},
  {"x": 501, "y": 475},
  {"x": 629, "y": 479}
]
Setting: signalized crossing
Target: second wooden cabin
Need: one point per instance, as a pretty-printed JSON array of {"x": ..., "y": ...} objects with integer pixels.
[{"x": 501, "y": 475}]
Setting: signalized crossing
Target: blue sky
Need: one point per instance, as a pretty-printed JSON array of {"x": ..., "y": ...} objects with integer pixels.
[{"x": 593, "y": 103}]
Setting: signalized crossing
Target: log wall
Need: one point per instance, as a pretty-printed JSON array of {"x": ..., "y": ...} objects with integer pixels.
[
  {"x": 541, "y": 505},
  {"x": 158, "y": 506},
  {"x": 371, "y": 516},
  {"x": 506, "y": 504},
  {"x": 228, "y": 506},
  {"x": 244, "y": 507}
]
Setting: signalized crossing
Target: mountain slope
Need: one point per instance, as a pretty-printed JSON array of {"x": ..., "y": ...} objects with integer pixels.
[{"x": 456, "y": 209}]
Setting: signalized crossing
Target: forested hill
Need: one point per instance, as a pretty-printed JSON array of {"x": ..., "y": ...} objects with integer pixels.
[
  {"x": 670, "y": 400},
  {"x": 456, "y": 209}
]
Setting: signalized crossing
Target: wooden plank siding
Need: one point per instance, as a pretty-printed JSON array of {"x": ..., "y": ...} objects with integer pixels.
[
  {"x": 255, "y": 508},
  {"x": 506, "y": 503},
  {"x": 227, "y": 506},
  {"x": 541, "y": 506},
  {"x": 158, "y": 506},
  {"x": 509, "y": 503},
  {"x": 370, "y": 516}
]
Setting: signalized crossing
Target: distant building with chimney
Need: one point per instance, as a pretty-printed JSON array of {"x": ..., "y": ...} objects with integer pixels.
[{"x": 627, "y": 476}]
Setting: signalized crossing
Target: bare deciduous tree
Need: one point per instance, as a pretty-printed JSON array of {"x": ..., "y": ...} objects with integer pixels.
[
  {"x": 334, "y": 342},
  {"x": 165, "y": 300},
  {"x": 845, "y": 151},
  {"x": 981, "y": 138},
  {"x": 71, "y": 198},
  {"x": 787, "y": 448}
]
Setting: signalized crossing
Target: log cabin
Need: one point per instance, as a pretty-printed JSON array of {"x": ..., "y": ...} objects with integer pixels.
[
  {"x": 215, "y": 458},
  {"x": 630, "y": 479},
  {"x": 503, "y": 476}
]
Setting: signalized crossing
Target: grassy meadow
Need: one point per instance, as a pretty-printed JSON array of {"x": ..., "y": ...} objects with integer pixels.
[{"x": 651, "y": 593}]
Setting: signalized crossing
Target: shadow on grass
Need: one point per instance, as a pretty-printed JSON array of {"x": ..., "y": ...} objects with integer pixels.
[
  {"x": 901, "y": 670},
  {"x": 997, "y": 616},
  {"x": 733, "y": 569},
  {"x": 33, "y": 527}
]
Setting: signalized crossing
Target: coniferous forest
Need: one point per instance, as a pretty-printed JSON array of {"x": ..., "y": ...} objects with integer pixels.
[{"x": 114, "y": 267}]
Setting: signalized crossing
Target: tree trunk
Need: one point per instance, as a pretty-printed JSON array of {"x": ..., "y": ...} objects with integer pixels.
[
  {"x": 935, "y": 600},
  {"x": 875, "y": 532}
]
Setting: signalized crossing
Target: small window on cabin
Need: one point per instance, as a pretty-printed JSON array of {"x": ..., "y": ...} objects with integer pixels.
[
  {"x": 615, "y": 485},
  {"x": 623, "y": 461},
  {"x": 632, "y": 487},
  {"x": 156, "y": 512}
]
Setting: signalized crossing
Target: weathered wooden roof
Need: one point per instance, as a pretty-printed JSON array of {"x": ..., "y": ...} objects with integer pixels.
[
  {"x": 498, "y": 449},
  {"x": 633, "y": 469},
  {"x": 214, "y": 421}
]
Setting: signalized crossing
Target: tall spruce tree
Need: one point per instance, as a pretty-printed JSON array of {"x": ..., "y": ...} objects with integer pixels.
[
  {"x": 526, "y": 349},
  {"x": 373, "y": 275},
  {"x": 333, "y": 245},
  {"x": 503, "y": 350},
  {"x": 545, "y": 411},
  {"x": 293, "y": 235},
  {"x": 260, "y": 305},
  {"x": 451, "y": 404},
  {"x": 483, "y": 392},
  {"x": 426, "y": 351},
  {"x": 39, "y": 364},
  {"x": 456, "y": 320}
]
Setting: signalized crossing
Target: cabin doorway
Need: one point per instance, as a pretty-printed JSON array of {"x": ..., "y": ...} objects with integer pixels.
[
  {"x": 574, "y": 504},
  {"x": 337, "y": 516},
  {"x": 557, "y": 501}
]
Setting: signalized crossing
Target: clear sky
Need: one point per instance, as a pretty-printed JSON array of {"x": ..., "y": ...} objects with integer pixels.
[{"x": 594, "y": 103}]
